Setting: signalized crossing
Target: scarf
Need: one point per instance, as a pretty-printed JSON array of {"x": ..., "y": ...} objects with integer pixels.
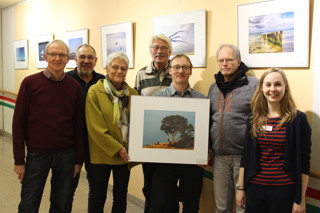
[
  {"x": 239, "y": 80},
  {"x": 120, "y": 99}
]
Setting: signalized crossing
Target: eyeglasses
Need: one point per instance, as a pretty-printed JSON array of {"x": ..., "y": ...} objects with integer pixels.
[
  {"x": 89, "y": 57},
  {"x": 156, "y": 48},
  {"x": 61, "y": 55},
  {"x": 184, "y": 68},
  {"x": 228, "y": 61}
]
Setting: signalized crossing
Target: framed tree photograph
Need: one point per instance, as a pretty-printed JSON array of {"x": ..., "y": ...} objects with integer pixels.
[
  {"x": 41, "y": 42},
  {"x": 169, "y": 130},
  {"x": 21, "y": 54},
  {"x": 74, "y": 39},
  {"x": 117, "y": 38},
  {"x": 274, "y": 33},
  {"x": 187, "y": 32}
]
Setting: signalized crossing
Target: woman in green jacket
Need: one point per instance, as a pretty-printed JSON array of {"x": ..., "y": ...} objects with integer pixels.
[{"x": 107, "y": 117}]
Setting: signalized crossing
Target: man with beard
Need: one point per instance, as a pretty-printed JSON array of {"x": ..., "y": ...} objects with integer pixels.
[
  {"x": 149, "y": 80},
  {"x": 86, "y": 61}
]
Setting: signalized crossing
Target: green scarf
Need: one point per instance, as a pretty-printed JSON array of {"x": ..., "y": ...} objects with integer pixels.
[{"x": 119, "y": 100}]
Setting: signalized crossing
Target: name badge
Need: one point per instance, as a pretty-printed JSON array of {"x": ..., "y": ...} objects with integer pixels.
[{"x": 268, "y": 128}]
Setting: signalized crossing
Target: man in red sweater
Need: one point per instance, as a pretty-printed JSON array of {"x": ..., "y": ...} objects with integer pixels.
[{"x": 48, "y": 121}]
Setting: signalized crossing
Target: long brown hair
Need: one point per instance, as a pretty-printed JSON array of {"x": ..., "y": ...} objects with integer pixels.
[{"x": 259, "y": 105}]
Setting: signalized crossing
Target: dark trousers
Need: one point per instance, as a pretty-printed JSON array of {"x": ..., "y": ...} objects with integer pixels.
[
  {"x": 74, "y": 184},
  {"x": 165, "y": 195},
  {"x": 269, "y": 199},
  {"x": 38, "y": 166},
  {"x": 99, "y": 177},
  {"x": 148, "y": 173}
]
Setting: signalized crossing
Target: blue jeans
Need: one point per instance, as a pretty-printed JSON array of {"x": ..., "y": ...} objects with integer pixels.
[
  {"x": 37, "y": 167},
  {"x": 75, "y": 181},
  {"x": 100, "y": 174}
]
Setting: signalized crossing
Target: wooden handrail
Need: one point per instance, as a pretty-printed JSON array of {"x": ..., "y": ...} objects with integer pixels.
[
  {"x": 8, "y": 92},
  {"x": 315, "y": 174}
]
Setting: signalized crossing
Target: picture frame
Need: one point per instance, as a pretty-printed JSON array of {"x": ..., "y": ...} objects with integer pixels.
[
  {"x": 40, "y": 46},
  {"x": 274, "y": 33},
  {"x": 187, "y": 32},
  {"x": 21, "y": 59},
  {"x": 169, "y": 130},
  {"x": 117, "y": 37},
  {"x": 74, "y": 39}
]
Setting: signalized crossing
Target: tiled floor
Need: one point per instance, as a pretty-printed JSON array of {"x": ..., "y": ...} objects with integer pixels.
[{"x": 10, "y": 187}]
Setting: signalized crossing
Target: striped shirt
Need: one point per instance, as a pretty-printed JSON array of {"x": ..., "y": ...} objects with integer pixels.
[
  {"x": 149, "y": 80},
  {"x": 271, "y": 148}
]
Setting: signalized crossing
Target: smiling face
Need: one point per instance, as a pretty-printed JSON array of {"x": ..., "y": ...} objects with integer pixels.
[
  {"x": 160, "y": 53},
  {"x": 180, "y": 69},
  {"x": 273, "y": 88},
  {"x": 228, "y": 64},
  {"x": 57, "y": 57},
  {"x": 86, "y": 61},
  {"x": 117, "y": 72}
]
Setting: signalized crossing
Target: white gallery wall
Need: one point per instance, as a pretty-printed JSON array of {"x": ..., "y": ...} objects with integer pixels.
[
  {"x": 316, "y": 89},
  {"x": 7, "y": 65}
]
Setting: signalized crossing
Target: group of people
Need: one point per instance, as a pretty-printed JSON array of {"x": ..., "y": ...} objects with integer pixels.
[{"x": 261, "y": 143}]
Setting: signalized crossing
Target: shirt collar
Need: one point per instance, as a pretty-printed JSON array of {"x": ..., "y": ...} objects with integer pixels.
[
  {"x": 173, "y": 91},
  {"x": 48, "y": 75},
  {"x": 154, "y": 69}
]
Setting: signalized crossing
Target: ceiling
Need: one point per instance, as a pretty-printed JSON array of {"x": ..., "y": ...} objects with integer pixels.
[{"x": 7, "y": 3}]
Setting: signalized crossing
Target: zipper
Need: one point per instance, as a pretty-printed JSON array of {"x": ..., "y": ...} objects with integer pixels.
[{"x": 224, "y": 109}]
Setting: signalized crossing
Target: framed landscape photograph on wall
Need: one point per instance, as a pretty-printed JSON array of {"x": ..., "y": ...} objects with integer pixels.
[
  {"x": 169, "y": 130},
  {"x": 41, "y": 42},
  {"x": 20, "y": 54},
  {"x": 117, "y": 38},
  {"x": 187, "y": 32},
  {"x": 74, "y": 39},
  {"x": 274, "y": 33}
]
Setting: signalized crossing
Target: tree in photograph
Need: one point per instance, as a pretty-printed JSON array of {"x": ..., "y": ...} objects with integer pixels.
[{"x": 178, "y": 128}]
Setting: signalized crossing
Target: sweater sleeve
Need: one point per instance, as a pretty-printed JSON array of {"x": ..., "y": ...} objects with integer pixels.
[
  {"x": 19, "y": 123},
  {"x": 305, "y": 138},
  {"x": 79, "y": 126},
  {"x": 245, "y": 146}
]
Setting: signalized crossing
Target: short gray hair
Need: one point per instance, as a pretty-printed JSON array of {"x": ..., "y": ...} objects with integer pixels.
[
  {"x": 236, "y": 51},
  {"x": 58, "y": 42},
  {"x": 117, "y": 55},
  {"x": 86, "y": 45},
  {"x": 162, "y": 37}
]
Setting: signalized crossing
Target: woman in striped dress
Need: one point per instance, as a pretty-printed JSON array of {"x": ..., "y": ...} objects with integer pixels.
[{"x": 274, "y": 170}]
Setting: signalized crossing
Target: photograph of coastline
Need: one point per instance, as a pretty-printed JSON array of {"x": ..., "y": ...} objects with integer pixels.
[{"x": 272, "y": 33}]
